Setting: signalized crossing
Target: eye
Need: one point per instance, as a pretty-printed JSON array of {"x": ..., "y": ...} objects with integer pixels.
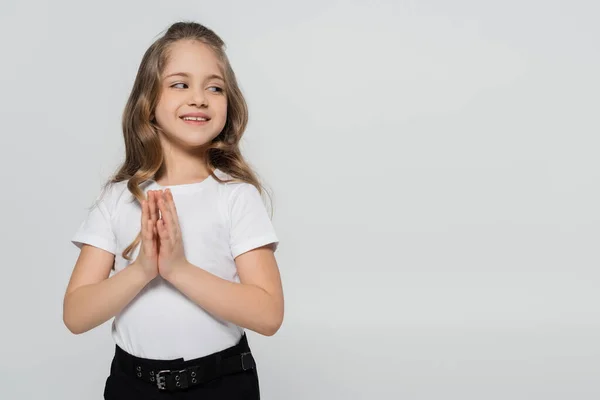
[
  {"x": 178, "y": 84},
  {"x": 218, "y": 89}
]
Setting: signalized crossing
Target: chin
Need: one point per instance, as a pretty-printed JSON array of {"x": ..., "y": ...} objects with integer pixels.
[
  {"x": 190, "y": 138},
  {"x": 200, "y": 141}
]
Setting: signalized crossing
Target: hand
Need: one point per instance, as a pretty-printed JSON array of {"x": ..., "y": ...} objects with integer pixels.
[
  {"x": 149, "y": 249},
  {"x": 171, "y": 254}
]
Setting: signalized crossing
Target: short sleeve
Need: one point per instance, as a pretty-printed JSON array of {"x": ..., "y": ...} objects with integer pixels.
[
  {"x": 96, "y": 229},
  {"x": 250, "y": 226}
]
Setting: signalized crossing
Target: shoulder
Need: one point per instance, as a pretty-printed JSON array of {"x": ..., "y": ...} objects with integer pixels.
[
  {"x": 112, "y": 195},
  {"x": 234, "y": 189},
  {"x": 237, "y": 194}
]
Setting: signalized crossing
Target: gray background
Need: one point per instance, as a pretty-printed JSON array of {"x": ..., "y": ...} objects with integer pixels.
[{"x": 435, "y": 177}]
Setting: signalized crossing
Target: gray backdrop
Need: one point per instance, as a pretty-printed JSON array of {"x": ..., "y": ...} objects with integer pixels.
[{"x": 435, "y": 177}]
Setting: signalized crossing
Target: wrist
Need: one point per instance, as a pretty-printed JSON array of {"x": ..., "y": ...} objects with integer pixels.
[
  {"x": 175, "y": 272},
  {"x": 142, "y": 273}
]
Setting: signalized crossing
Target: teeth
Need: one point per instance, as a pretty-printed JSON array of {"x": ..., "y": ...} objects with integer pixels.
[{"x": 194, "y": 119}]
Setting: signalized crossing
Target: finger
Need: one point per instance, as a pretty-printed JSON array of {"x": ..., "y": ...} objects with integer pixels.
[
  {"x": 152, "y": 203},
  {"x": 172, "y": 220},
  {"x": 144, "y": 216},
  {"x": 162, "y": 230},
  {"x": 144, "y": 229},
  {"x": 173, "y": 208},
  {"x": 166, "y": 212},
  {"x": 150, "y": 242}
]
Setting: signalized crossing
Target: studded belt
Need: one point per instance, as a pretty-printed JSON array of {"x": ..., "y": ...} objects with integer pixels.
[{"x": 174, "y": 375}]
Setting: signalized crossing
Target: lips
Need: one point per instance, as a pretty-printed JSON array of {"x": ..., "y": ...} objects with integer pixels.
[
  {"x": 194, "y": 119},
  {"x": 195, "y": 116}
]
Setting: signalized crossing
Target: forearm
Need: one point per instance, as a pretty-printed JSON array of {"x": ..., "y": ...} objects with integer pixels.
[
  {"x": 91, "y": 305},
  {"x": 248, "y": 306}
]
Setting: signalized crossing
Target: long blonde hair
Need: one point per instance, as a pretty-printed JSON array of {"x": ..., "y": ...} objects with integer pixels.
[{"x": 143, "y": 150}]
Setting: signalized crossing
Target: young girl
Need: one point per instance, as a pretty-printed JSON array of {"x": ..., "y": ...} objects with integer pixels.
[{"x": 183, "y": 225}]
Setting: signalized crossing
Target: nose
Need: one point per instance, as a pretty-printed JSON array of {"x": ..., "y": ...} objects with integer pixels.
[{"x": 197, "y": 98}]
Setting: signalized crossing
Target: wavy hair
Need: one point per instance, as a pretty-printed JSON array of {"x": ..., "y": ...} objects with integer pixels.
[{"x": 143, "y": 149}]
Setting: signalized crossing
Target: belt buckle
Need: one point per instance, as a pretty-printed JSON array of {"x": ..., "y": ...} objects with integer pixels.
[{"x": 161, "y": 381}]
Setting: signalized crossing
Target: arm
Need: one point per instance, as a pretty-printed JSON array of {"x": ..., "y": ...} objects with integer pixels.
[
  {"x": 256, "y": 303},
  {"x": 91, "y": 297}
]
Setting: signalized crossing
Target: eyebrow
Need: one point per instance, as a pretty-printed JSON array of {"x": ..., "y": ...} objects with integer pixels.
[{"x": 186, "y": 75}]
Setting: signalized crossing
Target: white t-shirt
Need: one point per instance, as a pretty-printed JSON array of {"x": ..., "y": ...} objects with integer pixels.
[{"x": 218, "y": 223}]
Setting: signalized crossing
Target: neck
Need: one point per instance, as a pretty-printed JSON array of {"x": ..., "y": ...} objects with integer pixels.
[{"x": 181, "y": 167}]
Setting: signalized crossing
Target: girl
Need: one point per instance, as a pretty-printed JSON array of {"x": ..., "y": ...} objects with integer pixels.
[{"x": 201, "y": 269}]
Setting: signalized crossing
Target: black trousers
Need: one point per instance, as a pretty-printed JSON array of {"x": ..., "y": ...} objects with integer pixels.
[{"x": 122, "y": 382}]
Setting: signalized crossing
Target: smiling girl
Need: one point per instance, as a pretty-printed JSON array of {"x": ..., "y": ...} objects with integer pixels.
[{"x": 184, "y": 231}]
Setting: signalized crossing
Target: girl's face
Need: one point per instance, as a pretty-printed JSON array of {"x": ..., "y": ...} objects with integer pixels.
[{"x": 192, "y": 88}]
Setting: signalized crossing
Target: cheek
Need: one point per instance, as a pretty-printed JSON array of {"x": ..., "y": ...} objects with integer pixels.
[
  {"x": 166, "y": 105},
  {"x": 223, "y": 110},
  {"x": 222, "y": 118},
  {"x": 165, "y": 108}
]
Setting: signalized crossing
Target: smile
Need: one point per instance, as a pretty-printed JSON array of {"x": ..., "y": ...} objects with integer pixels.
[{"x": 194, "y": 119}]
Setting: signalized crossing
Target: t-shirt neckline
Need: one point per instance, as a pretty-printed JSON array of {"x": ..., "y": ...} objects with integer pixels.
[{"x": 182, "y": 188}]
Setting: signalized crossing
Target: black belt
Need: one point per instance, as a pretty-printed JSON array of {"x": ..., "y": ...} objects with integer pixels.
[{"x": 177, "y": 374}]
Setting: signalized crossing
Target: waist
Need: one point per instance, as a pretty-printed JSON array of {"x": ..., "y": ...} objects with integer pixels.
[
  {"x": 175, "y": 374},
  {"x": 126, "y": 359}
]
